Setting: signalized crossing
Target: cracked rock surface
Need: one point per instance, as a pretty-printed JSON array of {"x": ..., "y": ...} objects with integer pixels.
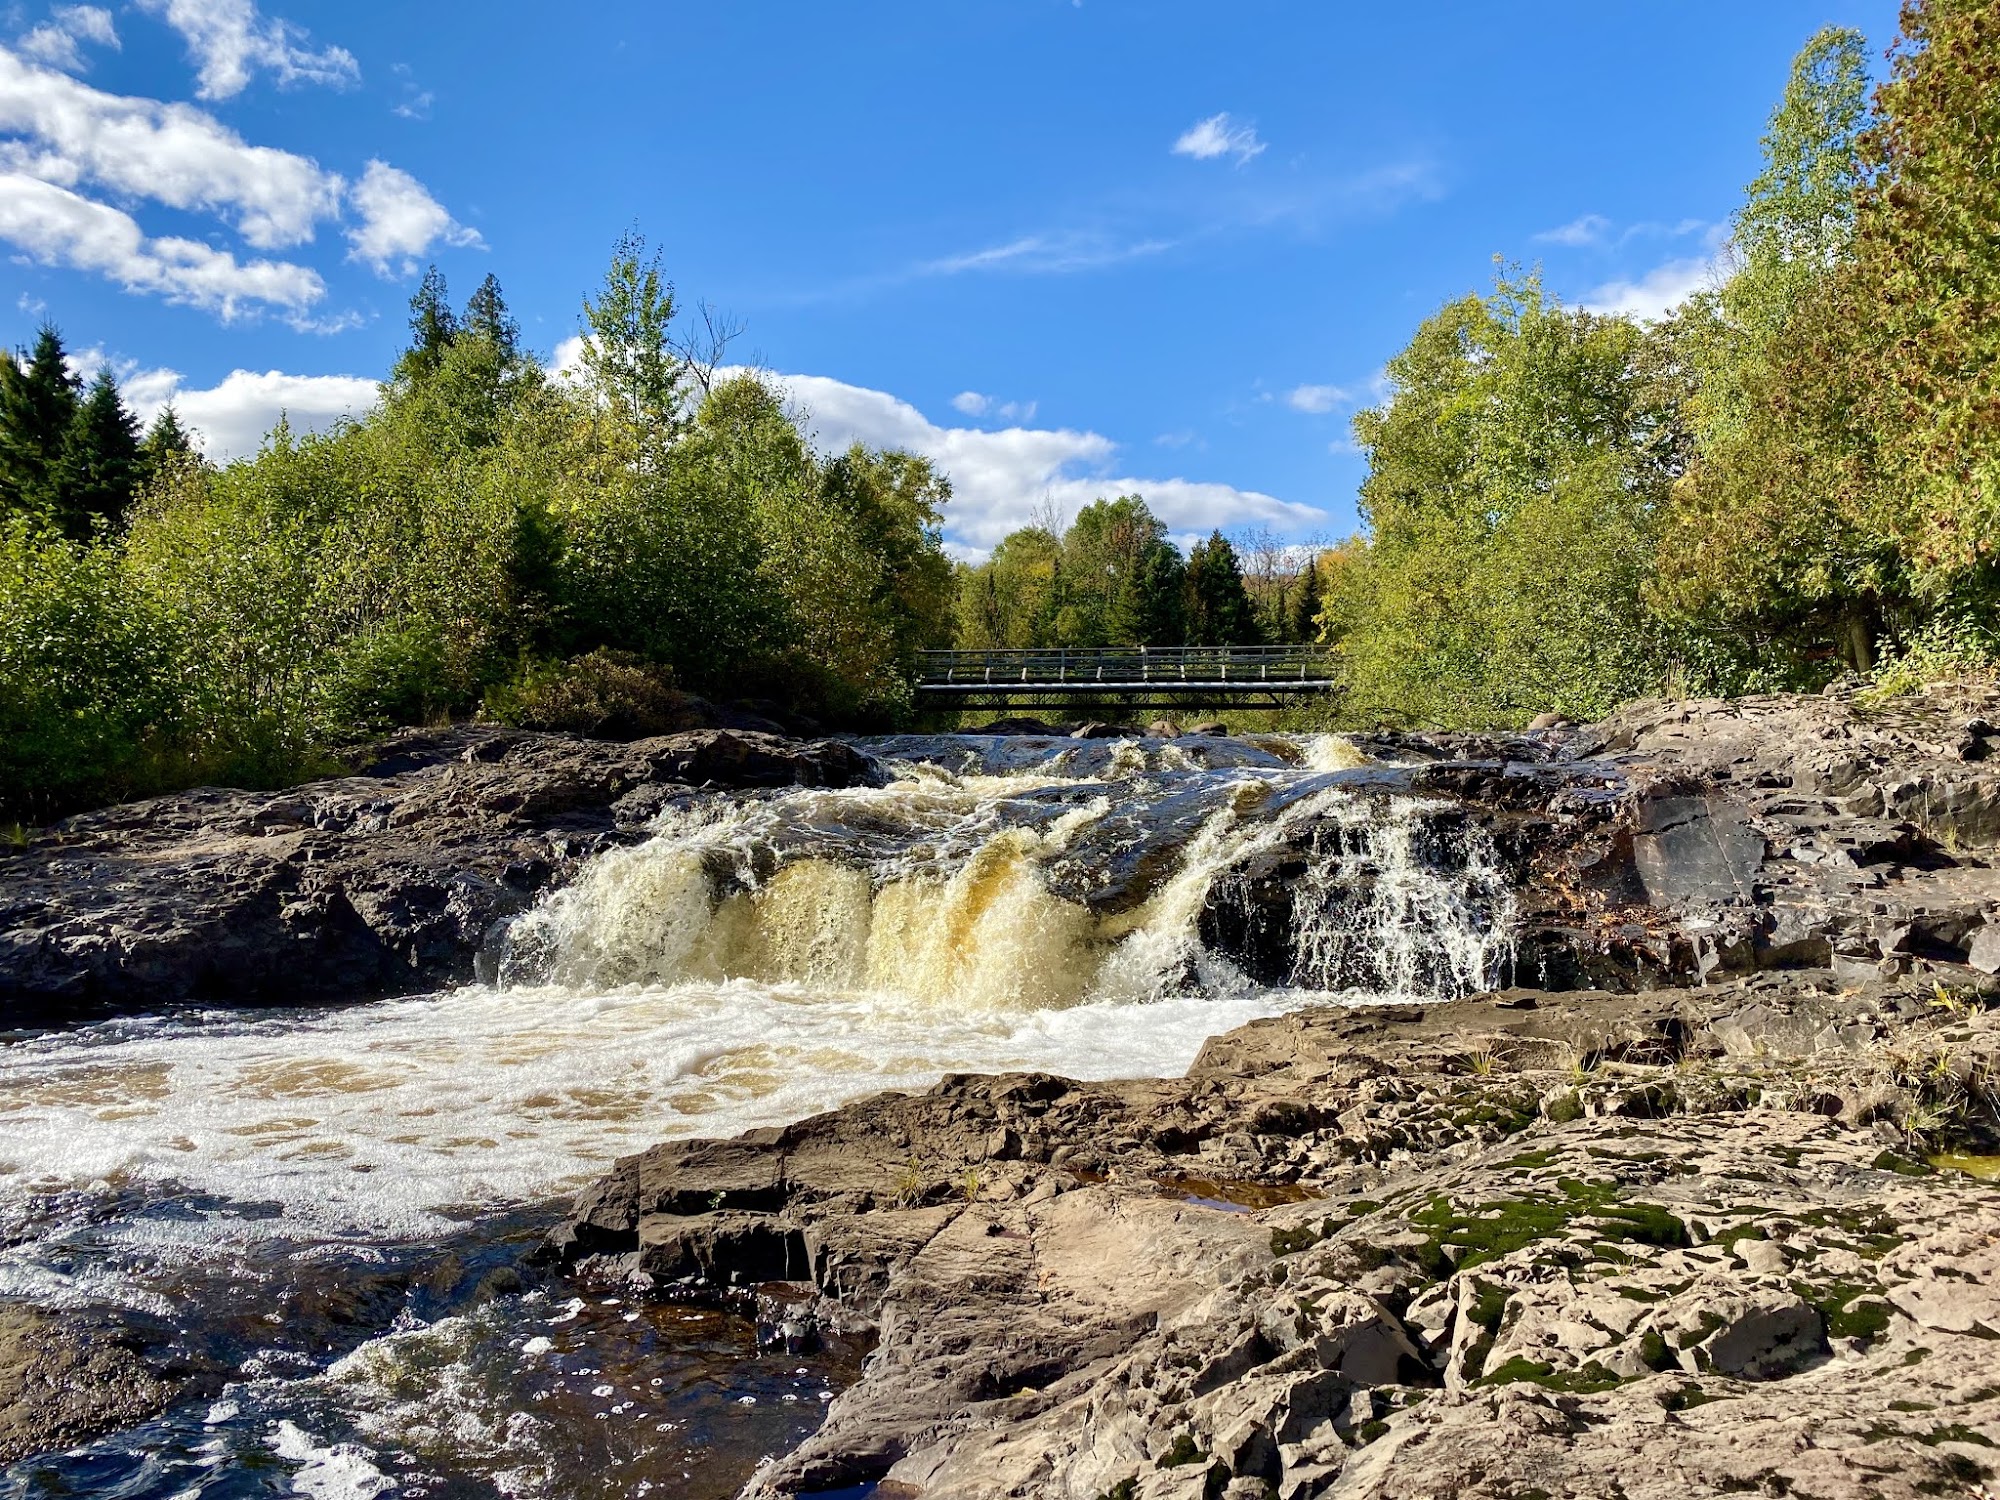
[{"x": 1583, "y": 1244}]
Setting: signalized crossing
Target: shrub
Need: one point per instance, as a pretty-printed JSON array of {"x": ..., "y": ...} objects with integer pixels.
[{"x": 610, "y": 695}]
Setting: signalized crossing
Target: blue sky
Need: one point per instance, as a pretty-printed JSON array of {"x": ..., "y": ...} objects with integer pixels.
[{"x": 1068, "y": 247}]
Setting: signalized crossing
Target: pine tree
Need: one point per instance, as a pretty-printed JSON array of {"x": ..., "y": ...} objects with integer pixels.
[
  {"x": 1302, "y": 624},
  {"x": 165, "y": 441},
  {"x": 486, "y": 315},
  {"x": 1219, "y": 609},
  {"x": 432, "y": 329},
  {"x": 38, "y": 399},
  {"x": 98, "y": 469},
  {"x": 1151, "y": 608}
]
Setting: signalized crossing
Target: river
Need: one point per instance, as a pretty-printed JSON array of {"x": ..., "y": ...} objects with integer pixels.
[{"x": 324, "y": 1211}]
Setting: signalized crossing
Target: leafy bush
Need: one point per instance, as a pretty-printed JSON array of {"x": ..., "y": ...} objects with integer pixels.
[
  {"x": 89, "y": 680},
  {"x": 612, "y": 695}
]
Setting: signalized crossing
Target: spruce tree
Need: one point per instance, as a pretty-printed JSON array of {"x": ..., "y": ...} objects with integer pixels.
[
  {"x": 486, "y": 315},
  {"x": 432, "y": 329},
  {"x": 1302, "y": 624},
  {"x": 1219, "y": 609},
  {"x": 38, "y": 399},
  {"x": 165, "y": 441},
  {"x": 98, "y": 469}
]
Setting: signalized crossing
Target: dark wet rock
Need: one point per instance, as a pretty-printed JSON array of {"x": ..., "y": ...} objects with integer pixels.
[
  {"x": 1021, "y": 724},
  {"x": 386, "y": 881},
  {"x": 64, "y": 1380},
  {"x": 1094, "y": 730}
]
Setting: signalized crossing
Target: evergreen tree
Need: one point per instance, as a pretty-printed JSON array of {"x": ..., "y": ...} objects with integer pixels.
[
  {"x": 1151, "y": 606},
  {"x": 1304, "y": 605},
  {"x": 38, "y": 400},
  {"x": 165, "y": 441},
  {"x": 98, "y": 469},
  {"x": 1930, "y": 271},
  {"x": 487, "y": 317},
  {"x": 1219, "y": 610},
  {"x": 432, "y": 329}
]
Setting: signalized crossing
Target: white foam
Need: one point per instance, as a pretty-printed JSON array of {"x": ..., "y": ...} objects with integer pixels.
[
  {"x": 377, "y": 1118},
  {"x": 338, "y": 1471}
]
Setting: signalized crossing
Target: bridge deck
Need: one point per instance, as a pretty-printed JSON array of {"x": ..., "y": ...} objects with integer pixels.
[{"x": 1130, "y": 677}]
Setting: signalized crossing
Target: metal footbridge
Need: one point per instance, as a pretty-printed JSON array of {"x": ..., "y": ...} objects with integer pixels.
[{"x": 1127, "y": 679}]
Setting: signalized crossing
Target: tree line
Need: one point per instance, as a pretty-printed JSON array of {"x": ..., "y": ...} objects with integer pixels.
[
  {"x": 71, "y": 456},
  {"x": 570, "y": 552},
  {"x": 1111, "y": 577},
  {"x": 1793, "y": 475}
]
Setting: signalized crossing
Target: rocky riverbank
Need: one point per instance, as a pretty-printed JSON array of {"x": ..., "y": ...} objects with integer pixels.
[
  {"x": 1692, "y": 1203},
  {"x": 1678, "y": 1242},
  {"x": 1725, "y": 1224}
]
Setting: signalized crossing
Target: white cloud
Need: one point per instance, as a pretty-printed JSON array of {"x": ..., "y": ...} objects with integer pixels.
[
  {"x": 58, "y": 227},
  {"x": 57, "y": 41},
  {"x": 172, "y": 153},
  {"x": 1587, "y": 230},
  {"x": 229, "y": 41},
  {"x": 973, "y": 404},
  {"x": 416, "y": 107},
  {"x": 229, "y": 420},
  {"x": 400, "y": 220},
  {"x": 1219, "y": 135},
  {"x": 1001, "y": 479},
  {"x": 1657, "y": 292},
  {"x": 1317, "y": 399},
  {"x": 1046, "y": 255}
]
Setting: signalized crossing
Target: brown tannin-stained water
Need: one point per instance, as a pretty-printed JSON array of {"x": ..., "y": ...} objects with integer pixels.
[{"x": 325, "y": 1213}]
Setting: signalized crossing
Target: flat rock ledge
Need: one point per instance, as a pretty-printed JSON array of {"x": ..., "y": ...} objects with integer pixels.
[
  {"x": 1673, "y": 1243},
  {"x": 385, "y": 882}
]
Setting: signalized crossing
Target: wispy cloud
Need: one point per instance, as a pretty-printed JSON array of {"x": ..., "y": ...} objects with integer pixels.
[
  {"x": 1656, "y": 292},
  {"x": 973, "y": 404},
  {"x": 1051, "y": 254},
  {"x": 172, "y": 153},
  {"x": 1315, "y": 399},
  {"x": 400, "y": 220},
  {"x": 230, "y": 41},
  {"x": 1589, "y": 229},
  {"x": 1219, "y": 135},
  {"x": 58, "y": 41},
  {"x": 60, "y": 228}
]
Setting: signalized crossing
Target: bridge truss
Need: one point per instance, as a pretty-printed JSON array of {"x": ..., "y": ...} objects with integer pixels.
[{"x": 1123, "y": 679}]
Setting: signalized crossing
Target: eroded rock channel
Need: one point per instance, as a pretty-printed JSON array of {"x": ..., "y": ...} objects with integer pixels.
[{"x": 1592, "y": 1112}]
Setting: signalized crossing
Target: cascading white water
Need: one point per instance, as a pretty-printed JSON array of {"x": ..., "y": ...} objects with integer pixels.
[{"x": 944, "y": 898}]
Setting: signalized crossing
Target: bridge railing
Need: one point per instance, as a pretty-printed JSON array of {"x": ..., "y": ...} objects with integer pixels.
[{"x": 1124, "y": 664}]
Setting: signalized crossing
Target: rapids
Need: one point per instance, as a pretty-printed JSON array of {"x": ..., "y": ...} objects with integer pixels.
[{"x": 998, "y": 904}]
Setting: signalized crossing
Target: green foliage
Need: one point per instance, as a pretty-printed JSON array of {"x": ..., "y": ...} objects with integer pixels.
[
  {"x": 566, "y": 555},
  {"x": 1930, "y": 273},
  {"x": 98, "y": 466},
  {"x": 1219, "y": 612},
  {"x": 88, "y": 697},
  {"x": 1798, "y": 469},
  {"x": 1515, "y": 475},
  {"x": 1110, "y": 579},
  {"x": 604, "y": 694}
]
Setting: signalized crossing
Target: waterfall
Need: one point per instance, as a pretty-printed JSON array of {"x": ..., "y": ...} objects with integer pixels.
[{"x": 943, "y": 888}]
